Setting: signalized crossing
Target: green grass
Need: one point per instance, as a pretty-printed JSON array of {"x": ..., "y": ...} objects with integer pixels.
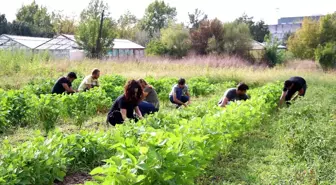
[{"x": 295, "y": 146}]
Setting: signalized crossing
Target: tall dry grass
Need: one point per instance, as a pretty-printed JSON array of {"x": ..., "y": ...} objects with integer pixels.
[{"x": 223, "y": 68}]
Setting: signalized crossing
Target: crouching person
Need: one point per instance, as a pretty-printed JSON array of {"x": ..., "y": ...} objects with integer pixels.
[
  {"x": 124, "y": 106},
  {"x": 150, "y": 103},
  {"x": 180, "y": 94},
  {"x": 234, "y": 94}
]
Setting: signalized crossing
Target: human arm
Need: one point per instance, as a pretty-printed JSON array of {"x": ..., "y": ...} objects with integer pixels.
[
  {"x": 68, "y": 89},
  {"x": 224, "y": 102},
  {"x": 177, "y": 100},
  {"x": 138, "y": 112},
  {"x": 188, "y": 94},
  {"x": 124, "y": 114},
  {"x": 283, "y": 97}
]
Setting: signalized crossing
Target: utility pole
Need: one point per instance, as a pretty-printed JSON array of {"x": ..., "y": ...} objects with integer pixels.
[{"x": 98, "y": 44}]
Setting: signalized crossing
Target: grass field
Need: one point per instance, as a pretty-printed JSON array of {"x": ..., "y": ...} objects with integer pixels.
[{"x": 290, "y": 145}]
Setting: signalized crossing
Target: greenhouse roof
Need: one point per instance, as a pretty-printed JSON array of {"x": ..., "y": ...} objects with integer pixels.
[
  {"x": 61, "y": 42},
  {"x": 29, "y": 42}
]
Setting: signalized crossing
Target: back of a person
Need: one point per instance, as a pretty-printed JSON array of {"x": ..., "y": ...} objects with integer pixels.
[
  {"x": 58, "y": 87},
  {"x": 176, "y": 88},
  {"x": 234, "y": 96},
  {"x": 90, "y": 80},
  {"x": 152, "y": 97},
  {"x": 298, "y": 80}
]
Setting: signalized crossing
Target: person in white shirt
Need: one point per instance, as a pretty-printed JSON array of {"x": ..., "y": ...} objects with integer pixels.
[{"x": 90, "y": 81}]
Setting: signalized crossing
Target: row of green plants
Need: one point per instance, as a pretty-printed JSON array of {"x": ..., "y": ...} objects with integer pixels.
[
  {"x": 169, "y": 147},
  {"x": 34, "y": 105}
]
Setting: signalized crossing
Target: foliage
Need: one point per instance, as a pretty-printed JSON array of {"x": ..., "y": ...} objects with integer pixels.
[
  {"x": 258, "y": 29},
  {"x": 155, "y": 48},
  {"x": 304, "y": 42},
  {"x": 63, "y": 24},
  {"x": 37, "y": 18},
  {"x": 199, "y": 37},
  {"x": 237, "y": 38},
  {"x": 127, "y": 26},
  {"x": 216, "y": 42},
  {"x": 176, "y": 40},
  {"x": 196, "y": 17},
  {"x": 3, "y": 24},
  {"x": 89, "y": 26},
  {"x": 163, "y": 148},
  {"x": 156, "y": 16},
  {"x": 328, "y": 29},
  {"x": 273, "y": 55},
  {"x": 326, "y": 55}
]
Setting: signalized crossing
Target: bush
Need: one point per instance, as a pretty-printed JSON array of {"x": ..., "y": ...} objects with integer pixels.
[
  {"x": 155, "y": 48},
  {"x": 326, "y": 56},
  {"x": 273, "y": 56}
]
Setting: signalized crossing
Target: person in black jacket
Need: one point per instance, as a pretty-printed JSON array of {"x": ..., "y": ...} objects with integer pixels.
[
  {"x": 63, "y": 84},
  {"x": 291, "y": 86},
  {"x": 124, "y": 106}
]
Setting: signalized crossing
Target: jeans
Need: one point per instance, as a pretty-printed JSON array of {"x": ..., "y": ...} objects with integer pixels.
[
  {"x": 183, "y": 99},
  {"x": 147, "y": 108}
]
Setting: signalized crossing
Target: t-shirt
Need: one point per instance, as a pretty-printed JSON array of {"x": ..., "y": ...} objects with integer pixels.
[
  {"x": 58, "y": 87},
  {"x": 232, "y": 95},
  {"x": 152, "y": 97},
  {"x": 299, "y": 83},
  {"x": 177, "y": 88},
  {"x": 88, "y": 81},
  {"x": 121, "y": 103}
]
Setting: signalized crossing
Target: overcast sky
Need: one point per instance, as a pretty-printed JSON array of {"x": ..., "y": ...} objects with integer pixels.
[{"x": 225, "y": 10}]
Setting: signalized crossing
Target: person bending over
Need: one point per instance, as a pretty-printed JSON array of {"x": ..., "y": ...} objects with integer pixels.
[
  {"x": 234, "y": 94},
  {"x": 124, "y": 106},
  {"x": 63, "y": 84},
  {"x": 90, "y": 81},
  {"x": 180, "y": 94},
  {"x": 291, "y": 86},
  {"x": 150, "y": 103}
]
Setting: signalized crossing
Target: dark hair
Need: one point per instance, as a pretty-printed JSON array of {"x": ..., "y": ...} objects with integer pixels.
[
  {"x": 181, "y": 81},
  {"x": 72, "y": 75},
  {"x": 142, "y": 81},
  {"x": 288, "y": 83},
  {"x": 242, "y": 87},
  {"x": 95, "y": 71},
  {"x": 133, "y": 91}
]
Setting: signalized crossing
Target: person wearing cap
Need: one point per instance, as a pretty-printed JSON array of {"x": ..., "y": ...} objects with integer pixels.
[
  {"x": 291, "y": 86},
  {"x": 234, "y": 94},
  {"x": 90, "y": 81},
  {"x": 64, "y": 84},
  {"x": 179, "y": 95}
]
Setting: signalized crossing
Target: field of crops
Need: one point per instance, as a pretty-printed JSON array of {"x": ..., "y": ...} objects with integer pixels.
[{"x": 45, "y": 137}]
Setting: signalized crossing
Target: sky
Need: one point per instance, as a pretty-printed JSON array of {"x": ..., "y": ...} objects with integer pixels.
[{"x": 225, "y": 10}]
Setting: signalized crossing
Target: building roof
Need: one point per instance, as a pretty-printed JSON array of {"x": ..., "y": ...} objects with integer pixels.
[
  {"x": 292, "y": 20},
  {"x": 61, "y": 42},
  {"x": 29, "y": 42},
  {"x": 125, "y": 44}
]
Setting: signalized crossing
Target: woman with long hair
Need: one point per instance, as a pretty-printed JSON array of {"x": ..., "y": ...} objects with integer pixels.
[
  {"x": 124, "y": 106},
  {"x": 150, "y": 103}
]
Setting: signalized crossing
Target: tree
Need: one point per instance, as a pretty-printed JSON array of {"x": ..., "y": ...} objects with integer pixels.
[
  {"x": 176, "y": 39},
  {"x": 157, "y": 16},
  {"x": 196, "y": 17},
  {"x": 328, "y": 29},
  {"x": 199, "y": 37},
  {"x": 37, "y": 18},
  {"x": 19, "y": 28},
  {"x": 258, "y": 29},
  {"x": 215, "y": 43},
  {"x": 304, "y": 42},
  {"x": 63, "y": 24},
  {"x": 326, "y": 55},
  {"x": 90, "y": 24},
  {"x": 127, "y": 26},
  {"x": 155, "y": 48},
  {"x": 236, "y": 39},
  {"x": 3, "y": 24}
]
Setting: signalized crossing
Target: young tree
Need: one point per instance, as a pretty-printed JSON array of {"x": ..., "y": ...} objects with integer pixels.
[
  {"x": 196, "y": 17},
  {"x": 258, "y": 29},
  {"x": 237, "y": 38},
  {"x": 88, "y": 35},
  {"x": 304, "y": 42},
  {"x": 3, "y": 24},
  {"x": 157, "y": 16},
  {"x": 127, "y": 26},
  {"x": 38, "y": 19},
  {"x": 63, "y": 24},
  {"x": 176, "y": 39}
]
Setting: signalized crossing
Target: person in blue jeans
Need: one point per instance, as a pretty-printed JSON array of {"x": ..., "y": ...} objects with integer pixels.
[
  {"x": 180, "y": 94},
  {"x": 150, "y": 103}
]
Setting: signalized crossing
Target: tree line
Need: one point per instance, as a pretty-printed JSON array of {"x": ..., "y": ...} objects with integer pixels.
[{"x": 157, "y": 29}]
